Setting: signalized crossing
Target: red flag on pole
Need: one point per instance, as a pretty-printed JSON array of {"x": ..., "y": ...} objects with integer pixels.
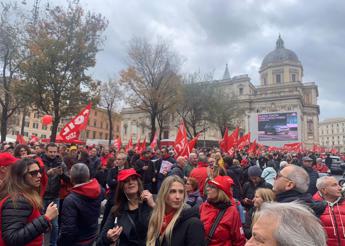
[
  {"x": 223, "y": 142},
  {"x": 193, "y": 142},
  {"x": 129, "y": 145},
  {"x": 137, "y": 146},
  {"x": 252, "y": 148},
  {"x": 34, "y": 139},
  {"x": 181, "y": 142},
  {"x": 153, "y": 145},
  {"x": 20, "y": 139},
  {"x": 143, "y": 145},
  {"x": 71, "y": 131},
  {"x": 243, "y": 141},
  {"x": 118, "y": 143},
  {"x": 297, "y": 147},
  {"x": 232, "y": 139}
]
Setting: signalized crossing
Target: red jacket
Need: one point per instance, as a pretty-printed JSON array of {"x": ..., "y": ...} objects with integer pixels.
[
  {"x": 229, "y": 231},
  {"x": 333, "y": 220},
  {"x": 200, "y": 174}
]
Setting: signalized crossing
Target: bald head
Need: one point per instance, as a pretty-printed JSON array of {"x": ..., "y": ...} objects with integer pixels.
[{"x": 181, "y": 161}]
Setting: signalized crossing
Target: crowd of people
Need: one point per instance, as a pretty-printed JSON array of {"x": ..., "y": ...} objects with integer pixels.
[{"x": 92, "y": 195}]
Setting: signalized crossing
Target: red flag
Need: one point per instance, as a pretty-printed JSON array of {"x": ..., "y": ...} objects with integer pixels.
[
  {"x": 231, "y": 151},
  {"x": 118, "y": 143},
  {"x": 193, "y": 142},
  {"x": 129, "y": 145},
  {"x": 20, "y": 139},
  {"x": 243, "y": 141},
  {"x": 223, "y": 142},
  {"x": 153, "y": 145},
  {"x": 71, "y": 131},
  {"x": 34, "y": 139},
  {"x": 232, "y": 139},
  {"x": 137, "y": 146},
  {"x": 143, "y": 145},
  {"x": 252, "y": 148},
  {"x": 334, "y": 151},
  {"x": 181, "y": 142},
  {"x": 297, "y": 147}
]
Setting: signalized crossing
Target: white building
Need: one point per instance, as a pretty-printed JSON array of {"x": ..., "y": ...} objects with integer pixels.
[{"x": 332, "y": 133}]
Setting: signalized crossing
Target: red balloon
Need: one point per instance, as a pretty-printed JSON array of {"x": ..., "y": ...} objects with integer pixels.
[{"x": 47, "y": 119}]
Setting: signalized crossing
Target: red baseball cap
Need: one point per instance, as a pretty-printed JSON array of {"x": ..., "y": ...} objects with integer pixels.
[
  {"x": 124, "y": 174},
  {"x": 223, "y": 183},
  {"x": 6, "y": 159}
]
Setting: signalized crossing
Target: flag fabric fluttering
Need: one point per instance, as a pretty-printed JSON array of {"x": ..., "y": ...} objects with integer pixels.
[{"x": 181, "y": 142}]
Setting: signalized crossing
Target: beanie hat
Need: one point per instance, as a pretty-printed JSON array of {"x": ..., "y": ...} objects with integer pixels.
[
  {"x": 223, "y": 183},
  {"x": 6, "y": 159},
  {"x": 254, "y": 171}
]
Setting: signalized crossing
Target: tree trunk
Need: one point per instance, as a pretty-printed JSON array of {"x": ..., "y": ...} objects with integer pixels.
[
  {"x": 110, "y": 126},
  {"x": 4, "y": 121},
  {"x": 54, "y": 129},
  {"x": 23, "y": 122},
  {"x": 153, "y": 127}
]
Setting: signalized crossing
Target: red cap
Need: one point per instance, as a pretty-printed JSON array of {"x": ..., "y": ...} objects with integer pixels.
[
  {"x": 124, "y": 174},
  {"x": 6, "y": 159},
  {"x": 224, "y": 183}
]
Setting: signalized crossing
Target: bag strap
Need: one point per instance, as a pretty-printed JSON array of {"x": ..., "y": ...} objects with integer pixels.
[{"x": 214, "y": 225}]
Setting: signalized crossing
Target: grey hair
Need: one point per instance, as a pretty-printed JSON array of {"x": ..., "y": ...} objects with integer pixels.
[
  {"x": 300, "y": 177},
  {"x": 297, "y": 225},
  {"x": 321, "y": 182},
  {"x": 80, "y": 173}
]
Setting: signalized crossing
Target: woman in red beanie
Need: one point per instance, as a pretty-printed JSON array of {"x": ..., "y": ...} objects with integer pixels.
[
  {"x": 128, "y": 220},
  {"x": 220, "y": 216}
]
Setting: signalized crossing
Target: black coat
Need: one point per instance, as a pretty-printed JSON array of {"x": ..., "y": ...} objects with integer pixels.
[
  {"x": 249, "y": 190},
  {"x": 79, "y": 216},
  {"x": 305, "y": 198},
  {"x": 93, "y": 164},
  {"x": 236, "y": 173},
  {"x": 148, "y": 174},
  {"x": 188, "y": 230},
  {"x": 313, "y": 176},
  {"x": 16, "y": 230},
  {"x": 54, "y": 181},
  {"x": 131, "y": 234}
]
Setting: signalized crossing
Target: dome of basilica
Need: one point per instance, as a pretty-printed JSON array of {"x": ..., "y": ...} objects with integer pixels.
[{"x": 280, "y": 55}]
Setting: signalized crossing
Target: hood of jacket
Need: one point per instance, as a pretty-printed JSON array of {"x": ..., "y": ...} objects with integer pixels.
[{"x": 90, "y": 189}]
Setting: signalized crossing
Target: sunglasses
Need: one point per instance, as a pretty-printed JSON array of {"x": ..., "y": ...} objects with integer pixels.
[{"x": 35, "y": 173}]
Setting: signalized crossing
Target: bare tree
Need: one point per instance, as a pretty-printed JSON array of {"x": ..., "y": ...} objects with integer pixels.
[
  {"x": 110, "y": 99},
  {"x": 152, "y": 78}
]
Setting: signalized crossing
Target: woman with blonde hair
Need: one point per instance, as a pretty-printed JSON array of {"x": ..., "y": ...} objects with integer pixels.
[
  {"x": 171, "y": 223},
  {"x": 220, "y": 216},
  {"x": 261, "y": 195}
]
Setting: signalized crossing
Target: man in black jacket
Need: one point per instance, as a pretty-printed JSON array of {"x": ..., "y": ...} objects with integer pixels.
[
  {"x": 56, "y": 171},
  {"x": 81, "y": 209},
  {"x": 292, "y": 184},
  {"x": 307, "y": 164}
]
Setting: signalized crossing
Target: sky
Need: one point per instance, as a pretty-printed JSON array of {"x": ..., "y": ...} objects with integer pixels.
[{"x": 211, "y": 33}]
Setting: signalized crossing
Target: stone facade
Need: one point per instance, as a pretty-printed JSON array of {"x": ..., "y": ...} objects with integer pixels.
[
  {"x": 281, "y": 90},
  {"x": 332, "y": 133}
]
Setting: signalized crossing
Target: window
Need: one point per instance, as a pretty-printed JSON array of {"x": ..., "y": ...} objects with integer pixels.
[
  {"x": 26, "y": 134},
  {"x": 101, "y": 135},
  {"x": 118, "y": 128},
  {"x": 87, "y": 134},
  {"x": 43, "y": 136},
  {"x": 241, "y": 91},
  {"x": 106, "y": 136},
  {"x": 35, "y": 125},
  {"x": 95, "y": 113},
  {"x": 94, "y": 123},
  {"x": 293, "y": 77},
  {"x": 278, "y": 78},
  {"x": 106, "y": 125},
  {"x": 93, "y": 135},
  {"x": 26, "y": 124},
  {"x": 101, "y": 124},
  {"x": 265, "y": 81},
  {"x": 36, "y": 115},
  {"x": 44, "y": 127},
  {"x": 166, "y": 134}
]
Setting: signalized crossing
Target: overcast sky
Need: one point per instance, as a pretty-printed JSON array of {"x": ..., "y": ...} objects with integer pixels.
[{"x": 209, "y": 34}]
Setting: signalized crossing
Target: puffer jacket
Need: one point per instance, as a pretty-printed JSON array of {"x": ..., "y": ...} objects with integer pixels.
[
  {"x": 229, "y": 231},
  {"x": 21, "y": 224},
  {"x": 79, "y": 215},
  {"x": 333, "y": 220}
]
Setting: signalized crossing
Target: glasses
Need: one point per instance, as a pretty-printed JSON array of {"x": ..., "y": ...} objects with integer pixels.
[
  {"x": 279, "y": 175},
  {"x": 35, "y": 173}
]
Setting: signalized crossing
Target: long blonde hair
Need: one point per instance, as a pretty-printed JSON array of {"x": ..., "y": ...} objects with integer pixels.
[{"x": 156, "y": 220}]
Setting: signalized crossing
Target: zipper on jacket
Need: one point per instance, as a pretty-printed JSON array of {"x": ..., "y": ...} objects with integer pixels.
[{"x": 336, "y": 225}]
